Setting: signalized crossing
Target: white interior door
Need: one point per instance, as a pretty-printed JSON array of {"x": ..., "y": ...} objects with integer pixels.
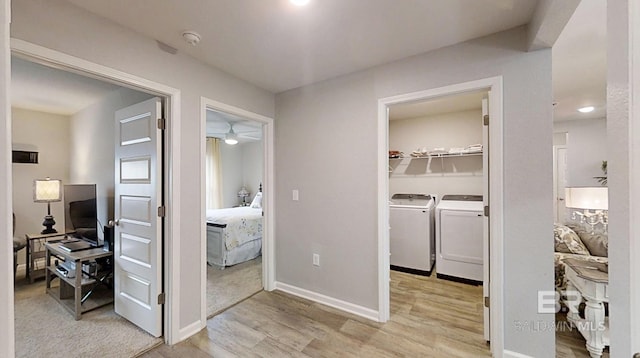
[
  {"x": 138, "y": 225},
  {"x": 559, "y": 181},
  {"x": 486, "y": 269}
]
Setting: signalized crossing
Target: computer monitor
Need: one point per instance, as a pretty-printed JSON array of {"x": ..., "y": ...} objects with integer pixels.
[{"x": 80, "y": 211}]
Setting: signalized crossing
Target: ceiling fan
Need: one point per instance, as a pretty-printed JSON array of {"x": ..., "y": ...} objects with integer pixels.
[{"x": 231, "y": 128}]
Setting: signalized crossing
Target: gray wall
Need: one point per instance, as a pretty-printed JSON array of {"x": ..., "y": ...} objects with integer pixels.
[
  {"x": 47, "y": 134},
  {"x": 241, "y": 165},
  {"x": 92, "y": 140},
  {"x": 326, "y": 148},
  {"x": 61, "y": 26},
  {"x": 586, "y": 149},
  {"x": 623, "y": 121},
  {"x": 252, "y": 166},
  {"x": 7, "y": 340}
]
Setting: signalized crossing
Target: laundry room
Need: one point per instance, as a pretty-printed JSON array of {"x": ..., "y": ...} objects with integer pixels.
[
  {"x": 436, "y": 141},
  {"x": 436, "y": 185}
]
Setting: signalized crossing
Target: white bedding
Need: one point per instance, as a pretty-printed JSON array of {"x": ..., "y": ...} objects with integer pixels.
[{"x": 243, "y": 224}]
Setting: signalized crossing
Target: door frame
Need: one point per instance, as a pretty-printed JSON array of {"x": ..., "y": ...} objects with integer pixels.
[
  {"x": 268, "y": 188},
  {"x": 171, "y": 176},
  {"x": 556, "y": 148},
  {"x": 494, "y": 85}
]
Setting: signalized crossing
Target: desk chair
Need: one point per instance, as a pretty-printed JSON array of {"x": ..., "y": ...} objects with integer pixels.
[{"x": 18, "y": 244}]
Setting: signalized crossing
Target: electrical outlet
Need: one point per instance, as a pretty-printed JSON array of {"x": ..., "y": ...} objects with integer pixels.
[
  {"x": 316, "y": 260},
  {"x": 295, "y": 195}
]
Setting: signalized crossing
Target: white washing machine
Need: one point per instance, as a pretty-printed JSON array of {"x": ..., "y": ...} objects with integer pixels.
[
  {"x": 412, "y": 233},
  {"x": 459, "y": 235}
]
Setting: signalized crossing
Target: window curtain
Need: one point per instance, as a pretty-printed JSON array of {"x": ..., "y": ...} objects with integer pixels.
[{"x": 213, "y": 174}]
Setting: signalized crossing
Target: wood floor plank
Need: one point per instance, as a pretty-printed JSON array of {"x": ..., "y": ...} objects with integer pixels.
[
  {"x": 203, "y": 343},
  {"x": 289, "y": 318},
  {"x": 269, "y": 347},
  {"x": 339, "y": 345},
  {"x": 292, "y": 338},
  {"x": 386, "y": 341},
  {"x": 430, "y": 317}
]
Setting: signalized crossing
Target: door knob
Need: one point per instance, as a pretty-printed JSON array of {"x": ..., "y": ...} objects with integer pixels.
[
  {"x": 560, "y": 199},
  {"x": 114, "y": 222}
]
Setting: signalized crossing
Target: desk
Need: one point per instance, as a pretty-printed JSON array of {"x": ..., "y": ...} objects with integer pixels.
[
  {"x": 85, "y": 291},
  {"x": 32, "y": 254},
  {"x": 593, "y": 286}
]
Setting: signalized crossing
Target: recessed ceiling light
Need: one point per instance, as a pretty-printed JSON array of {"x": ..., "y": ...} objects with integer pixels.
[
  {"x": 299, "y": 2},
  {"x": 586, "y": 109}
]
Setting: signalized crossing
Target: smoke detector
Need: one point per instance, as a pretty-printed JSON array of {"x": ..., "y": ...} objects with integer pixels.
[{"x": 191, "y": 37}]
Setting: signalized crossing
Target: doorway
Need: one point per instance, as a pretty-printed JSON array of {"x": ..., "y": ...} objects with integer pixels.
[
  {"x": 50, "y": 58},
  {"x": 493, "y": 185},
  {"x": 239, "y": 189},
  {"x": 234, "y": 174},
  {"x": 559, "y": 175}
]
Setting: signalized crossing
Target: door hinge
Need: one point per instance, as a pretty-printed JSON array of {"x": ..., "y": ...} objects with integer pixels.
[
  {"x": 161, "y": 298},
  {"x": 486, "y": 210},
  {"x": 162, "y": 124},
  {"x": 486, "y": 302},
  {"x": 485, "y": 119},
  {"x": 162, "y": 211}
]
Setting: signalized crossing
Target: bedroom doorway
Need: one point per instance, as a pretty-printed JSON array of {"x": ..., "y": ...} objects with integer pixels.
[
  {"x": 236, "y": 215},
  {"x": 101, "y": 93},
  {"x": 420, "y": 161}
]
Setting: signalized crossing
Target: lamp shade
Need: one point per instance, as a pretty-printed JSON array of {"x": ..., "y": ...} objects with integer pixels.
[
  {"x": 595, "y": 198},
  {"x": 47, "y": 190},
  {"x": 243, "y": 193}
]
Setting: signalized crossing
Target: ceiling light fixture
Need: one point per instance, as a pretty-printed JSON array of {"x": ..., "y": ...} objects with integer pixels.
[
  {"x": 191, "y": 37},
  {"x": 299, "y": 2},
  {"x": 586, "y": 109},
  {"x": 231, "y": 138}
]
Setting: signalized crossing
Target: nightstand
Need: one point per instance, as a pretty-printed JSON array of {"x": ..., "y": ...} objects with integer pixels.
[{"x": 35, "y": 250}]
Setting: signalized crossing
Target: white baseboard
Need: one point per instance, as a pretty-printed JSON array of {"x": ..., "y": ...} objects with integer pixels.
[
  {"x": 510, "y": 354},
  {"x": 190, "y": 330},
  {"x": 328, "y": 301}
]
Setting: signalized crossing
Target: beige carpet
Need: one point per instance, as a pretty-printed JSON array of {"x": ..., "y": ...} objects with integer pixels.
[
  {"x": 232, "y": 285},
  {"x": 45, "y": 329}
]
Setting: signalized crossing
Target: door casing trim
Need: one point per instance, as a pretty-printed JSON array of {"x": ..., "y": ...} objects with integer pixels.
[
  {"x": 496, "y": 202},
  {"x": 171, "y": 240},
  {"x": 268, "y": 187}
]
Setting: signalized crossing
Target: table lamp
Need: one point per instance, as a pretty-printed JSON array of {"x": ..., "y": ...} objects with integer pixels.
[
  {"x": 595, "y": 204},
  {"x": 46, "y": 191},
  {"x": 243, "y": 194}
]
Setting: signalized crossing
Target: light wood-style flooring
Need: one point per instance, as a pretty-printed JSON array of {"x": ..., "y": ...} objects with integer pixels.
[{"x": 430, "y": 317}]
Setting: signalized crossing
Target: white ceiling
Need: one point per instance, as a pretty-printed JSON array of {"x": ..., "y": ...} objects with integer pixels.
[
  {"x": 580, "y": 63},
  {"x": 456, "y": 103},
  {"x": 220, "y": 123},
  {"x": 277, "y": 46},
  {"x": 45, "y": 89}
]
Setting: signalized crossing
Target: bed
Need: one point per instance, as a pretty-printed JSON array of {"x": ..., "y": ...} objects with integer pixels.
[{"x": 234, "y": 235}]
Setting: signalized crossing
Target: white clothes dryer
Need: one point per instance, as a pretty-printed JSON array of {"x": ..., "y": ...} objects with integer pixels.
[
  {"x": 412, "y": 233},
  {"x": 459, "y": 235}
]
